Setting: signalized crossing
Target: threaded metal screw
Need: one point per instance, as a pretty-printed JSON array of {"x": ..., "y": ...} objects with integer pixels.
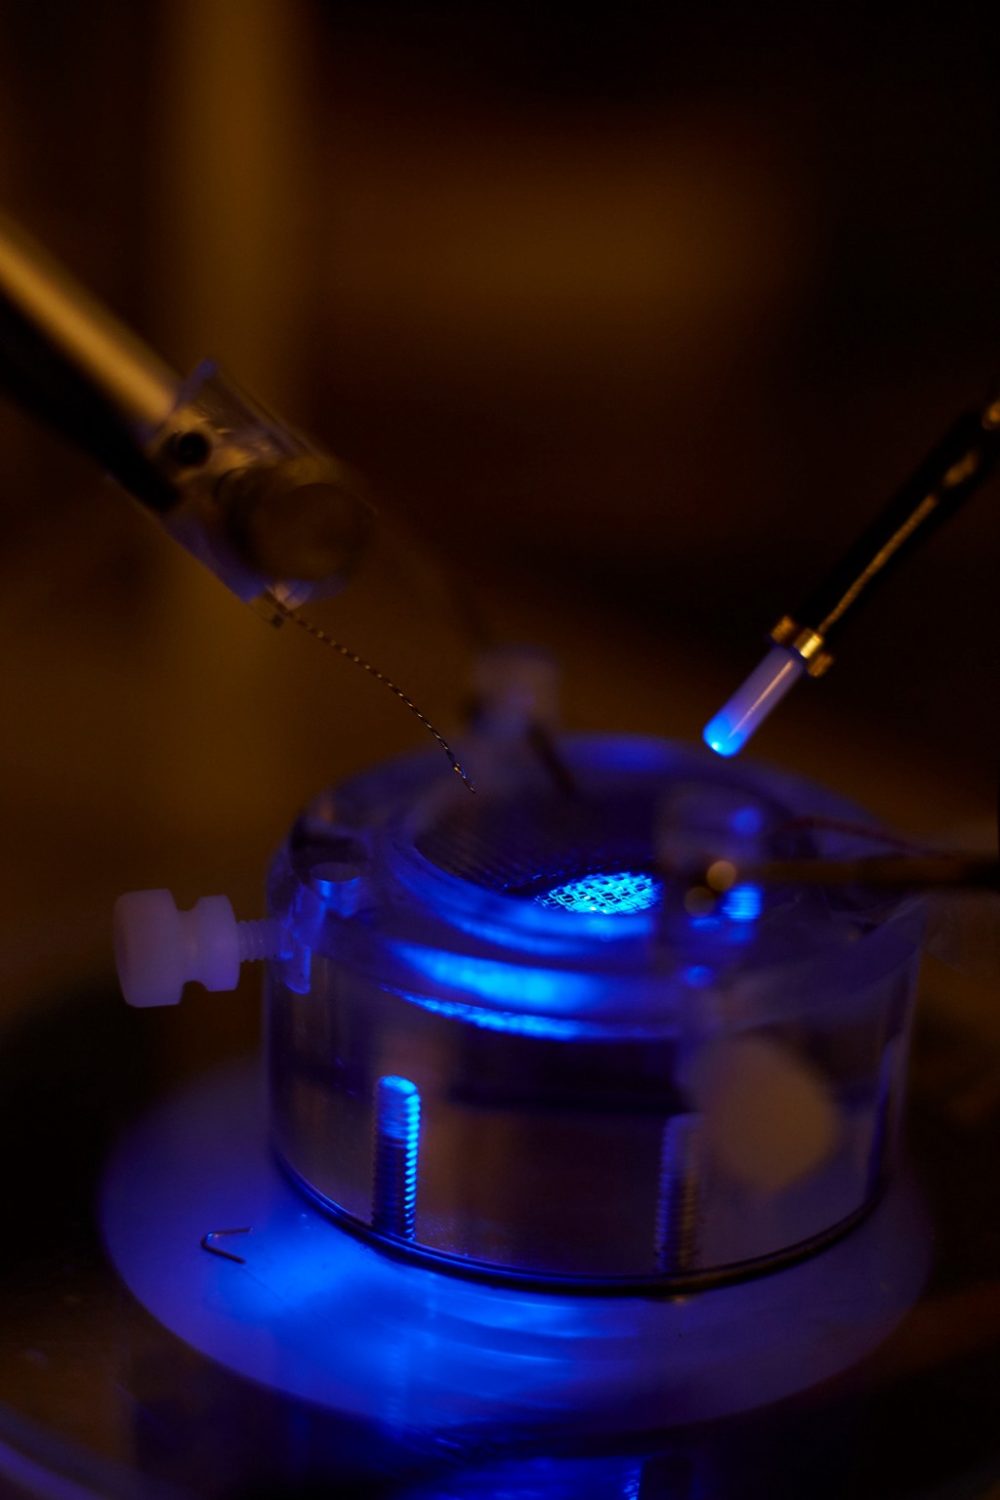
[
  {"x": 397, "y": 1149},
  {"x": 678, "y": 1201}
]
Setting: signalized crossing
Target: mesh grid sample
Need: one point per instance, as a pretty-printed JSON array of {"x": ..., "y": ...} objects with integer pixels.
[{"x": 616, "y": 893}]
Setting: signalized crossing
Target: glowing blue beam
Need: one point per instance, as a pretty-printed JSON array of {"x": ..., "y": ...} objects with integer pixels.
[{"x": 750, "y": 705}]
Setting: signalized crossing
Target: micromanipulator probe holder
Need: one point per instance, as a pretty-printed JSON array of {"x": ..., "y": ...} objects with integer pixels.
[
  {"x": 275, "y": 518},
  {"x": 963, "y": 460}
]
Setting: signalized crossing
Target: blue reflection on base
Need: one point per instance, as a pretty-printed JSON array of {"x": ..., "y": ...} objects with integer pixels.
[{"x": 325, "y": 1318}]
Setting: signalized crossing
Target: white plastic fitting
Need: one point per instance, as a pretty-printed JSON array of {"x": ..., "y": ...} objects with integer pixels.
[
  {"x": 159, "y": 949},
  {"x": 768, "y": 1116}
]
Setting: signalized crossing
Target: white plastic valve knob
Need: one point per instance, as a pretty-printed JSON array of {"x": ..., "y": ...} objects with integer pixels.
[{"x": 158, "y": 949}]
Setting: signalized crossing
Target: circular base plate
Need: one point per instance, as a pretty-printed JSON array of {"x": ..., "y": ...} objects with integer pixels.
[{"x": 297, "y": 1305}]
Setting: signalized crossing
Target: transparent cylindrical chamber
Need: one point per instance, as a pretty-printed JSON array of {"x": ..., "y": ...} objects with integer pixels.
[{"x": 511, "y": 1035}]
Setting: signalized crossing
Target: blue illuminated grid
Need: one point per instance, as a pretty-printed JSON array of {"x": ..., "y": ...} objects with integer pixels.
[{"x": 612, "y": 894}]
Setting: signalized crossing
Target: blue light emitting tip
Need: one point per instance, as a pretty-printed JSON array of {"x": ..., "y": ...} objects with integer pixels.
[
  {"x": 750, "y": 705},
  {"x": 718, "y": 736}
]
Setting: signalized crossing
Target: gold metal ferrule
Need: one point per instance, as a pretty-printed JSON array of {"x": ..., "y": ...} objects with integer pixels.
[{"x": 807, "y": 644}]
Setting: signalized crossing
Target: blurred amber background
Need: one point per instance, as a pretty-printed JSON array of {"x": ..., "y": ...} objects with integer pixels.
[{"x": 631, "y": 315}]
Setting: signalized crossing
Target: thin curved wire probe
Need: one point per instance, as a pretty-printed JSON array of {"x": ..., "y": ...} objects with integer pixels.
[{"x": 325, "y": 639}]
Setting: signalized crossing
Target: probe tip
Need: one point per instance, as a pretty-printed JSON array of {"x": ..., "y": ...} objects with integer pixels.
[
  {"x": 750, "y": 705},
  {"x": 719, "y": 735}
]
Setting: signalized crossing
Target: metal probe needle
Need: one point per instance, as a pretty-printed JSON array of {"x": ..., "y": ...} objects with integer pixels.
[{"x": 963, "y": 460}]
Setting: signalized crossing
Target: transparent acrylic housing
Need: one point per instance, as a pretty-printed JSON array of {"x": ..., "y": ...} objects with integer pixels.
[{"x": 513, "y": 1034}]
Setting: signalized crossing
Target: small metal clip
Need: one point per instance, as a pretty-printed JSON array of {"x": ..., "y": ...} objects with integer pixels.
[{"x": 208, "y": 1243}]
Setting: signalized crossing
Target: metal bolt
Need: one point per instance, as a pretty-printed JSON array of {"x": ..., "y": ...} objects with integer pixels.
[
  {"x": 677, "y": 1204},
  {"x": 397, "y": 1149}
]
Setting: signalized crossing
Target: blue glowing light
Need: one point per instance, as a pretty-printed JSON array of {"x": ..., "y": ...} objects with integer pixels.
[
  {"x": 750, "y": 705},
  {"x": 698, "y": 976},
  {"x": 516, "y": 985},
  {"x": 614, "y": 894},
  {"x": 746, "y": 820},
  {"x": 743, "y": 903},
  {"x": 719, "y": 735},
  {"x": 516, "y": 1023}
]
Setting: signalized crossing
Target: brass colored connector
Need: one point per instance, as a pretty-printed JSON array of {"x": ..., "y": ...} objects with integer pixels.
[{"x": 807, "y": 644}]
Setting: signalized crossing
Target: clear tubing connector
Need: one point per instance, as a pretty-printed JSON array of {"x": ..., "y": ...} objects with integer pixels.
[{"x": 750, "y": 705}]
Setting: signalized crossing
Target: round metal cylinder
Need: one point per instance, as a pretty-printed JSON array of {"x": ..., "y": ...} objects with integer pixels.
[{"x": 534, "y": 1046}]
